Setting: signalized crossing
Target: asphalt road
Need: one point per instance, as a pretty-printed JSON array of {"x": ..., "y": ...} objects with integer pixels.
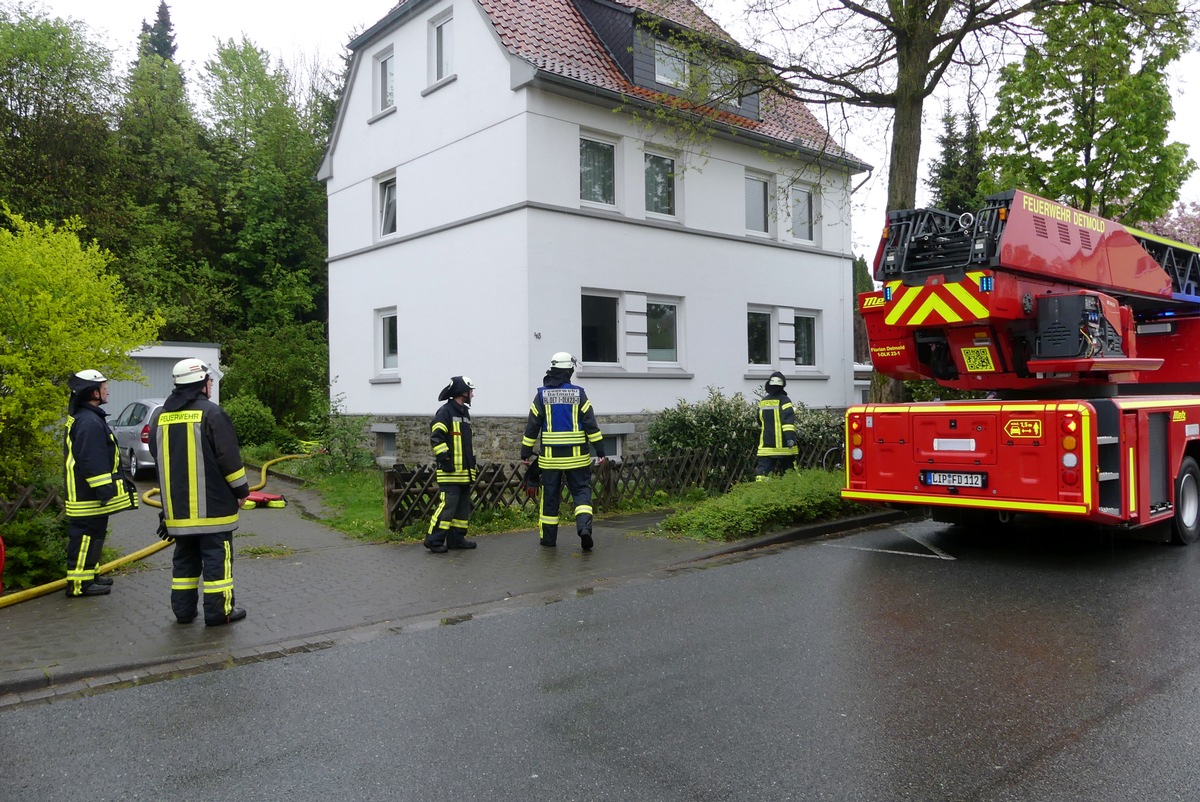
[{"x": 912, "y": 663}]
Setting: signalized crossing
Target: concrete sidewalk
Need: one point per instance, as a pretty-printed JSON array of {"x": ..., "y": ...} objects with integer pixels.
[{"x": 328, "y": 589}]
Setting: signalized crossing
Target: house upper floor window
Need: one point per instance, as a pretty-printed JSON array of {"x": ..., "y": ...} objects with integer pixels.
[
  {"x": 385, "y": 80},
  {"x": 803, "y": 214},
  {"x": 598, "y": 328},
  {"x": 387, "y": 206},
  {"x": 660, "y": 185},
  {"x": 757, "y": 209},
  {"x": 758, "y": 337},
  {"x": 662, "y": 331},
  {"x": 670, "y": 66},
  {"x": 597, "y": 171},
  {"x": 806, "y": 340},
  {"x": 441, "y": 46},
  {"x": 388, "y": 344}
]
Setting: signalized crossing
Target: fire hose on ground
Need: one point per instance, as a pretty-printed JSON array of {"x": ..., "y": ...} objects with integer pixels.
[{"x": 150, "y": 498}]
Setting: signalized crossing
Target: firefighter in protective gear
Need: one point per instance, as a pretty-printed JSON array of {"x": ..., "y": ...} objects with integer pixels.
[
  {"x": 203, "y": 482},
  {"x": 95, "y": 487},
  {"x": 562, "y": 414},
  {"x": 777, "y": 447},
  {"x": 450, "y": 438}
]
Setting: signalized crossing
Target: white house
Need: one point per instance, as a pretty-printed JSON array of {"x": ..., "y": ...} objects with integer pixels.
[{"x": 498, "y": 192}]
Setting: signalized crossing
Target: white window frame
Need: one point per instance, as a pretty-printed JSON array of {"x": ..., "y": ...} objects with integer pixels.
[
  {"x": 381, "y": 206},
  {"x": 676, "y": 302},
  {"x": 772, "y": 337},
  {"x": 813, "y": 222},
  {"x": 670, "y": 66},
  {"x": 385, "y": 80},
  {"x": 768, "y": 194},
  {"x": 676, "y": 184},
  {"x": 813, "y": 315},
  {"x": 441, "y": 47},
  {"x": 619, "y": 333},
  {"x": 383, "y": 316},
  {"x": 616, "y": 171}
]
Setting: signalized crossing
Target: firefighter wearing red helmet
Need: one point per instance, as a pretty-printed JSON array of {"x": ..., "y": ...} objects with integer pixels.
[
  {"x": 203, "y": 482},
  {"x": 95, "y": 489}
]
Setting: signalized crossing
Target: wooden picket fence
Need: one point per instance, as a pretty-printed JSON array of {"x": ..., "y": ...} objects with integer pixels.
[
  {"x": 26, "y": 498},
  {"x": 411, "y": 493}
]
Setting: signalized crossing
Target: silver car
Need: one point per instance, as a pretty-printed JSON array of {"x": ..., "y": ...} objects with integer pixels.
[{"x": 132, "y": 428}]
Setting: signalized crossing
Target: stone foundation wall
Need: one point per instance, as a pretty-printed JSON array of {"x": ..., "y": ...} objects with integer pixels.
[{"x": 497, "y": 439}]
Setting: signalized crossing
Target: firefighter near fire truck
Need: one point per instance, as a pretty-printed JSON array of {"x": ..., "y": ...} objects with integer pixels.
[{"x": 1083, "y": 330}]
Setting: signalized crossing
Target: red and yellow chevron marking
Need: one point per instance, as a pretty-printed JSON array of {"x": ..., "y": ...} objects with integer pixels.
[{"x": 957, "y": 302}]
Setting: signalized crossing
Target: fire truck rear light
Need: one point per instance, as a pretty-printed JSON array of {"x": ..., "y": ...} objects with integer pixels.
[
  {"x": 856, "y": 468},
  {"x": 856, "y": 453},
  {"x": 855, "y": 424},
  {"x": 1070, "y": 425},
  {"x": 856, "y": 439},
  {"x": 1070, "y": 477},
  {"x": 1003, "y": 214},
  {"x": 1069, "y": 443},
  {"x": 1070, "y": 460}
]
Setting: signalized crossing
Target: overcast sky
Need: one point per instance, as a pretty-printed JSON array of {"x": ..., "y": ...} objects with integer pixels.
[{"x": 291, "y": 30}]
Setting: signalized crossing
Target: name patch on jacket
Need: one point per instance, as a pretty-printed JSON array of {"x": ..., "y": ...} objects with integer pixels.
[
  {"x": 182, "y": 416},
  {"x": 560, "y": 396}
]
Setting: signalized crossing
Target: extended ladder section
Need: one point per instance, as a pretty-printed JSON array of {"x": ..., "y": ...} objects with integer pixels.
[{"x": 1026, "y": 292}]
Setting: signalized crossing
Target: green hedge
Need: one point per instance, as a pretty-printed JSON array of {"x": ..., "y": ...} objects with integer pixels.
[{"x": 753, "y": 508}]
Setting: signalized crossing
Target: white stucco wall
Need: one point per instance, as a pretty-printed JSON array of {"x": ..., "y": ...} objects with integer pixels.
[{"x": 494, "y": 248}]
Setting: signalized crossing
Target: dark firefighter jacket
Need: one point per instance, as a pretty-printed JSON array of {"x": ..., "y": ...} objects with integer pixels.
[
  {"x": 199, "y": 465},
  {"x": 90, "y": 455},
  {"x": 562, "y": 414},
  {"x": 777, "y": 426},
  {"x": 450, "y": 437}
]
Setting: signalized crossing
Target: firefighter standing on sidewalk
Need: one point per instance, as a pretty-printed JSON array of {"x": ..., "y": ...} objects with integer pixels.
[
  {"x": 562, "y": 414},
  {"x": 200, "y": 471},
  {"x": 95, "y": 489},
  {"x": 777, "y": 448},
  {"x": 450, "y": 438}
]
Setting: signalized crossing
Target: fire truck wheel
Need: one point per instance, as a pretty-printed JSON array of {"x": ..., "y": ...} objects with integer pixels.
[{"x": 1187, "y": 502}]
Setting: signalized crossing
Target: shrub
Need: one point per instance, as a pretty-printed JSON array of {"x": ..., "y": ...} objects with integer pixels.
[
  {"x": 818, "y": 425},
  {"x": 343, "y": 441},
  {"x": 251, "y": 418},
  {"x": 35, "y": 550},
  {"x": 727, "y": 424},
  {"x": 752, "y": 508}
]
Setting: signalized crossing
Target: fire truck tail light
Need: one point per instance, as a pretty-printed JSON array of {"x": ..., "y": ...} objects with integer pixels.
[
  {"x": 855, "y": 424},
  {"x": 856, "y": 454},
  {"x": 1069, "y": 424},
  {"x": 856, "y": 468},
  {"x": 1069, "y": 443},
  {"x": 856, "y": 439},
  {"x": 1070, "y": 477},
  {"x": 1070, "y": 460}
]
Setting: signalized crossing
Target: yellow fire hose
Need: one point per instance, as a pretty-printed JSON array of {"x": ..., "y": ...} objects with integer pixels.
[{"x": 150, "y": 498}]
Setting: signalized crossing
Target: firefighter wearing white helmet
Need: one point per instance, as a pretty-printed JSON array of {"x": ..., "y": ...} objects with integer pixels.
[
  {"x": 776, "y": 429},
  {"x": 454, "y": 452},
  {"x": 95, "y": 488},
  {"x": 562, "y": 416},
  {"x": 203, "y": 482}
]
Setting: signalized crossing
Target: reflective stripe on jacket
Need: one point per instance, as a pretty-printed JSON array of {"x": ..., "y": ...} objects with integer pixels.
[
  {"x": 450, "y": 438},
  {"x": 777, "y": 426},
  {"x": 200, "y": 467},
  {"x": 91, "y": 466},
  {"x": 562, "y": 415}
]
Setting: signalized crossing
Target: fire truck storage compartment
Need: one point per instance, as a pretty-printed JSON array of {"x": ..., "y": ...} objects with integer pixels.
[
  {"x": 1160, "y": 472},
  {"x": 1108, "y": 453},
  {"x": 1062, "y": 322}
]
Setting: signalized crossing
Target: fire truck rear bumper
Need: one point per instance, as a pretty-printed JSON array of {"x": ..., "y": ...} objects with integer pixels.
[{"x": 1049, "y": 508}]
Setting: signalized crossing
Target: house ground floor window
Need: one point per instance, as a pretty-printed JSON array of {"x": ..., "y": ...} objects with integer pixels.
[
  {"x": 599, "y": 328},
  {"x": 758, "y": 337}
]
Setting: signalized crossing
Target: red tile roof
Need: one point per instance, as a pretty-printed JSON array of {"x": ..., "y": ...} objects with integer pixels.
[{"x": 553, "y": 36}]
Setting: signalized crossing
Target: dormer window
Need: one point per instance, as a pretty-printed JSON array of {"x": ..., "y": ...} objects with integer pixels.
[{"x": 670, "y": 66}]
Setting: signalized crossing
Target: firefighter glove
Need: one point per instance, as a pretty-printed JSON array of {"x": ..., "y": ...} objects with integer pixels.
[{"x": 161, "y": 531}]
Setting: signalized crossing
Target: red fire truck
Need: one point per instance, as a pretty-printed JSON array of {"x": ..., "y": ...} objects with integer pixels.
[{"x": 1083, "y": 334}]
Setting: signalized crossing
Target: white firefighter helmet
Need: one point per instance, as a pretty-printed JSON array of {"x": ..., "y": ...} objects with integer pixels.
[
  {"x": 192, "y": 370},
  {"x": 563, "y": 360},
  {"x": 85, "y": 380}
]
